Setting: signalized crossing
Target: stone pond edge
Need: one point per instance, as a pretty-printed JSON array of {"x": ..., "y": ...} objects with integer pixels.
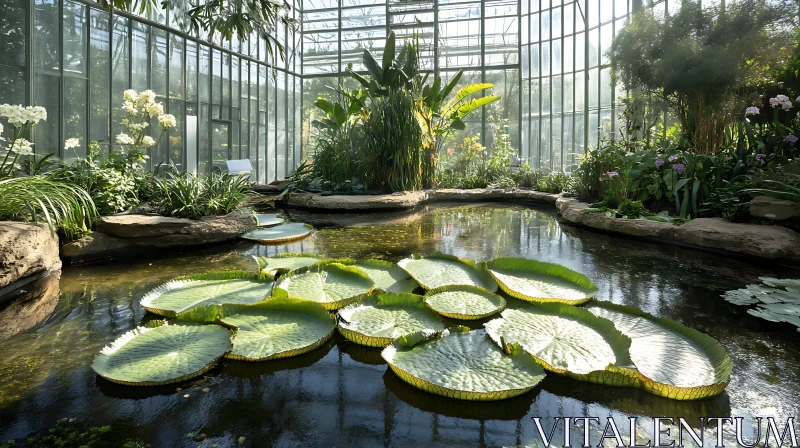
[{"x": 711, "y": 234}]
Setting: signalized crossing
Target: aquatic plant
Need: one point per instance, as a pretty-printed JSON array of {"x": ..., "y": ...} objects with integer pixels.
[
  {"x": 537, "y": 281},
  {"x": 437, "y": 270},
  {"x": 388, "y": 277},
  {"x": 379, "y": 319},
  {"x": 464, "y": 302},
  {"x": 287, "y": 262},
  {"x": 773, "y": 303},
  {"x": 332, "y": 285},
  {"x": 280, "y": 233}
]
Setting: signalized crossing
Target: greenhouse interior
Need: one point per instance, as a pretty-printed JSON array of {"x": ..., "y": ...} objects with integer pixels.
[{"x": 399, "y": 223}]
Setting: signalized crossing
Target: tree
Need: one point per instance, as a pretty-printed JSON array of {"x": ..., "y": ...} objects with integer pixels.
[{"x": 704, "y": 61}]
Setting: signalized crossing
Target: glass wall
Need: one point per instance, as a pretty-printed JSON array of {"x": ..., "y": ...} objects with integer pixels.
[
  {"x": 568, "y": 98},
  {"x": 230, "y": 100},
  {"x": 479, "y": 36}
]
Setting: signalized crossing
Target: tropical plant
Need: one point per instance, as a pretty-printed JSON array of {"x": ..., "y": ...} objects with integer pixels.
[
  {"x": 392, "y": 73},
  {"x": 185, "y": 195},
  {"x": 289, "y": 231},
  {"x": 388, "y": 277},
  {"x": 464, "y": 302},
  {"x": 141, "y": 109},
  {"x": 537, "y": 281},
  {"x": 437, "y": 270},
  {"x": 286, "y": 262},
  {"x": 332, "y": 285},
  {"x": 777, "y": 300},
  {"x": 700, "y": 59}
]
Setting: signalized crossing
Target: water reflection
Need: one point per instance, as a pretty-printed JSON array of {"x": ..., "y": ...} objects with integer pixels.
[{"x": 343, "y": 394}]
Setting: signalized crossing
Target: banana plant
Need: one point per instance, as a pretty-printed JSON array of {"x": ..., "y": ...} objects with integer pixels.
[
  {"x": 351, "y": 105},
  {"x": 438, "y": 116},
  {"x": 391, "y": 72}
]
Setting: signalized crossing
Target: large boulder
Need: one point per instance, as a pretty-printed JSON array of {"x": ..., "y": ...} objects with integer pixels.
[
  {"x": 162, "y": 231},
  {"x": 772, "y": 208},
  {"x": 27, "y": 252},
  {"x": 97, "y": 246}
]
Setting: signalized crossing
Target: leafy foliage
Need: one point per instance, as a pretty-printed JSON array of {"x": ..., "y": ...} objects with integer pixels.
[{"x": 185, "y": 195}]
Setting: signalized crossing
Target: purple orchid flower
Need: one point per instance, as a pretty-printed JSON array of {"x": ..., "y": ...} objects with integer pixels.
[
  {"x": 679, "y": 167},
  {"x": 659, "y": 163}
]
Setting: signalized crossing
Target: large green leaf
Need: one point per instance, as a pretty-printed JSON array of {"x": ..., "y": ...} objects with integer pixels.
[
  {"x": 569, "y": 341},
  {"x": 468, "y": 106},
  {"x": 277, "y": 328},
  {"x": 470, "y": 89},
  {"x": 438, "y": 270},
  {"x": 388, "y": 277},
  {"x": 268, "y": 219},
  {"x": 464, "y": 302},
  {"x": 287, "y": 262},
  {"x": 537, "y": 281},
  {"x": 674, "y": 361},
  {"x": 380, "y": 319},
  {"x": 332, "y": 285},
  {"x": 774, "y": 304},
  {"x": 463, "y": 365},
  {"x": 162, "y": 355},
  {"x": 279, "y": 234},
  {"x": 187, "y": 292}
]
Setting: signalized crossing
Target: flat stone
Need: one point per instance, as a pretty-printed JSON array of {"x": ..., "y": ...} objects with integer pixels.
[
  {"x": 30, "y": 308},
  {"x": 772, "y": 208},
  {"x": 95, "y": 246},
  {"x": 138, "y": 226},
  {"x": 26, "y": 250},
  {"x": 710, "y": 233},
  {"x": 408, "y": 199}
]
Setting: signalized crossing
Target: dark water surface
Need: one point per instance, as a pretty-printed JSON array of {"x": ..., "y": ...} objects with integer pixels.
[{"x": 343, "y": 394}]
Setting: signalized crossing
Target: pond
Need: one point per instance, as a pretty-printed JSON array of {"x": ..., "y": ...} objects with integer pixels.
[{"x": 343, "y": 394}]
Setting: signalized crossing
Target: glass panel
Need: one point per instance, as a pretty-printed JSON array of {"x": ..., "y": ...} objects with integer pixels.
[
  {"x": 220, "y": 144},
  {"x": 13, "y": 29},
  {"x": 12, "y": 86},
  {"x": 74, "y": 116},
  {"x": 119, "y": 79},
  {"x": 99, "y": 83},
  {"x": 281, "y": 117},
  {"x": 176, "y": 75},
  {"x": 139, "y": 64},
  {"x": 46, "y": 22},
  {"x": 75, "y": 38},
  {"x": 48, "y": 94},
  {"x": 158, "y": 62}
]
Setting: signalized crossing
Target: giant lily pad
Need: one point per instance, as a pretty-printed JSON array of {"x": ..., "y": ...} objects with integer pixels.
[
  {"x": 187, "y": 292},
  {"x": 267, "y": 219},
  {"x": 463, "y": 365},
  {"x": 569, "y": 341},
  {"x": 380, "y": 319},
  {"x": 388, "y": 277},
  {"x": 162, "y": 355},
  {"x": 278, "y": 328},
  {"x": 438, "y": 270},
  {"x": 332, "y": 285},
  {"x": 536, "y": 281},
  {"x": 464, "y": 302},
  {"x": 279, "y": 234},
  {"x": 283, "y": 263},
  {"x": 674, "y": 361}
]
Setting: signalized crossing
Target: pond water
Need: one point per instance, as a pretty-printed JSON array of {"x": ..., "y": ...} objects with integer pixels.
[{"x": 343, "y": 394}]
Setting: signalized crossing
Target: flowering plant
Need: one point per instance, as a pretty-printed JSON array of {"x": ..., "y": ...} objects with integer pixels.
[
  {"x": 22, "y": 119},
  {"x": 141, "y": 109}
]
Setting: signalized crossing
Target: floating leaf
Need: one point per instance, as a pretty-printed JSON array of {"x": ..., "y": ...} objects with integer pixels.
[
  {"x": 463, "y": 365},
  {"x": 267, "y": 219},
  {"x": 287, "y": 262},
  {"x": 464, "y": 302},
  {"x": 674, "y": 361},
  {"x": 277, "y": 328},
  {"x": 332, "y": 285},
  {"x": 187, "y": 292},
  {"x": 380, "y": 319},
  {"x": 537, "y": 281},
  {"x": 388, "y": 277},
  {"x": 162, "y": 355},
  {"x": 280, "y": 233},
  {"x": 569, "y": 341},
  {"x": 438, "y": 270}
]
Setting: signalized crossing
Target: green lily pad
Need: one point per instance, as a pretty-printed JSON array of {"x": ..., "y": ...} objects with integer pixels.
[
  {"x": 283, "y": 263},
  {"x": 162, "y": 355},
  {"x": 462, "y": 365},
  {"x": 268, "y": 219},
  {"x": 464, "y": 302},
  {"x": 332, "y": 285},
  {"x": 187, "y": 292},
  {"x": 388, "y": 277},
  {"x": 674, "y": 361},
  {"x": 536, "y": 281},
  {"x": 569, "y": 341},
  {"x": 438, "y": 270},
  {"x": 380, "y": 319},
  {"x": 279, "y": 234}
]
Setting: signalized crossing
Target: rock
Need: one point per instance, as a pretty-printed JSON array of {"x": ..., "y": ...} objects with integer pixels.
[
  {"x": 162, "y": 231},
  {"x": 140, "y": 226},
  {"x": 27, "y": 252},
  {"x": 772, "y": 208},
  {"x": 709, "y": 233},
  {"x": 95, "y": 246},
  {"x": 750, "y": 239},
  {"x": 408, "y": 199},
  {"x": 30, "y": 308}
]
